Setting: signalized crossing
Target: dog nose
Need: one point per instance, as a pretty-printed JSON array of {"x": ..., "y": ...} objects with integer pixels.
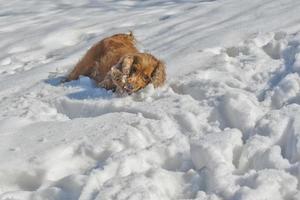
[{"x": 128, "y": 86}]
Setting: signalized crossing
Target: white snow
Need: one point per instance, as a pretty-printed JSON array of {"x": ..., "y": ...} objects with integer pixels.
[{"x": 224, "y": 127}]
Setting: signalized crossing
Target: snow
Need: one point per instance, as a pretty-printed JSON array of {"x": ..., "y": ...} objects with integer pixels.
[{"x": 224, "y": 127}]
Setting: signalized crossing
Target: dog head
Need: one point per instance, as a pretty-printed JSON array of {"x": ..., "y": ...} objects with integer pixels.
[{"x": 140, "y": 69}]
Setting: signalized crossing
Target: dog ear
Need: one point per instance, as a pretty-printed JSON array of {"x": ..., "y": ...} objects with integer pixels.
[
  {"x": 158, "y": 76},
  {"x": 130, "y": 33}
]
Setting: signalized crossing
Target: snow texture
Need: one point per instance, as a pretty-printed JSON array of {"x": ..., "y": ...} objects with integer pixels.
[{"x": 226, "y": 126}]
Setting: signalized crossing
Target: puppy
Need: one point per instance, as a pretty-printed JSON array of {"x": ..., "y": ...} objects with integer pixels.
[{"x": 116, "y": 64}]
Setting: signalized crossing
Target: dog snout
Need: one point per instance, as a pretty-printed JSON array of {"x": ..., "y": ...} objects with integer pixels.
[{"x": 128, "y": 87}]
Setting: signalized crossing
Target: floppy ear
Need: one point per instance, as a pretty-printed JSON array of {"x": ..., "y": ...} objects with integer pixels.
[{"x": 158, "y": 76}]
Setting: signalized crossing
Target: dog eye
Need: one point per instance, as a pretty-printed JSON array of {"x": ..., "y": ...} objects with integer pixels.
[
  {"x": 133, "y": 69},
  {"x": 146, "y": 78}
]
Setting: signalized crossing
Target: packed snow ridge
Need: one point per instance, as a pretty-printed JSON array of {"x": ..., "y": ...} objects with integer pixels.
[{"x": 226, "y": 126}]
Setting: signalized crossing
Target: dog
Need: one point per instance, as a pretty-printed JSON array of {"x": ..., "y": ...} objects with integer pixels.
[{"x": 116, "y": 64}]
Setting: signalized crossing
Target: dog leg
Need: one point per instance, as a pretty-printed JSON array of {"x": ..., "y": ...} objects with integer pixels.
[
  {"x": 118, "y": 79},
  {"x": 126, "y": 65},
  {"x": 107, "y": 83}
]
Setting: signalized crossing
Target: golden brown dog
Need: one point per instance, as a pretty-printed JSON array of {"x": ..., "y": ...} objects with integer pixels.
[{"x": 116, "y": 64}]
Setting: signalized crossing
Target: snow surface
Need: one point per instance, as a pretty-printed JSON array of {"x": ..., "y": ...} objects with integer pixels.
[{"x": 225, "y": 126}]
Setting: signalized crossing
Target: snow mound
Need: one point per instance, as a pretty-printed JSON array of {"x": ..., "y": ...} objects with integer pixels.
[{"x": 225, "y": 126}]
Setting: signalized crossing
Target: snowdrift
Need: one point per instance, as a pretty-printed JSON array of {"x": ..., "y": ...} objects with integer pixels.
[{"x": 225, "y": 126}]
